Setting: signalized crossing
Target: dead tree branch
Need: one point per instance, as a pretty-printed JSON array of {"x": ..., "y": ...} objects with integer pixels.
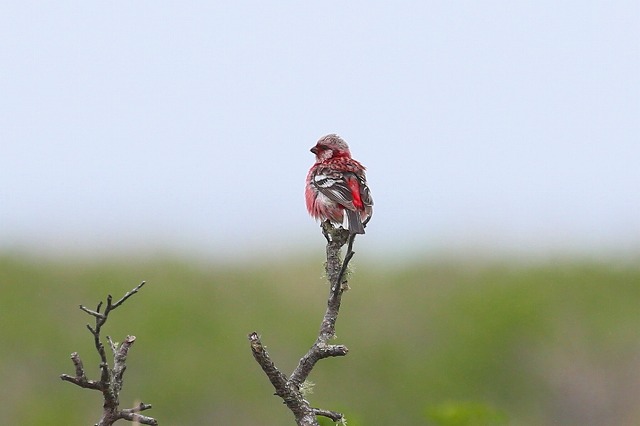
[
  {"x": 290, "y": 389},
  {"x": 111, "y": 379}
]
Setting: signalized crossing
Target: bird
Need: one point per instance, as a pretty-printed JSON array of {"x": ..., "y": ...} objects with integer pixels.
[{"x": 336, "y": 186}]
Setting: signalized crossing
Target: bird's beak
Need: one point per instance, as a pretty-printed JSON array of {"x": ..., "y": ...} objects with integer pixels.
[{"x": 314, "y": 150}]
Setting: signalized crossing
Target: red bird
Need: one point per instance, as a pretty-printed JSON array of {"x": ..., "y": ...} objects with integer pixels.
[{"x": 336, "y": 184}]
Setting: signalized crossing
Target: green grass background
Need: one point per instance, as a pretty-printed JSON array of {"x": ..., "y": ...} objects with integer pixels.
[{"x": 432, "y": 342}]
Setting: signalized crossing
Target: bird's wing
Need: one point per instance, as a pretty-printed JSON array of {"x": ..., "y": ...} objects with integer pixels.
[{"x": 337, "y": 186}]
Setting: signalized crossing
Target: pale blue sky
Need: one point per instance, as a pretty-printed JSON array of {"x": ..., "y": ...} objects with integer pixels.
[{"x": 187, "y": 125}]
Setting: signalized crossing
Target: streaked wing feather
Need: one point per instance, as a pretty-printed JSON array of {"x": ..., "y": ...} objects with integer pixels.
[
  {"x": 333, "y": 186},
  {"x": 365, "y": 194}
]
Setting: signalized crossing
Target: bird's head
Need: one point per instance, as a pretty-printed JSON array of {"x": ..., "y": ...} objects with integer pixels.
[{"x": 330, "y": 146}]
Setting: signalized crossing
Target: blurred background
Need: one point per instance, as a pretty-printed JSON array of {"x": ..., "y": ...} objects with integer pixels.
[{"x": 498, "y": 282}]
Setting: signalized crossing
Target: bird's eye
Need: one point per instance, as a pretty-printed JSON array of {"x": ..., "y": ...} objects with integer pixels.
[{"x": 322, "y": 147}]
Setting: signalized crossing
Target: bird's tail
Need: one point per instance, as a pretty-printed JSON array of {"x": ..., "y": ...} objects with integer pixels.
[{"x": 354, "y": 222}]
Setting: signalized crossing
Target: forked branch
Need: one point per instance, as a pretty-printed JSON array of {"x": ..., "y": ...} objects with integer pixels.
[
  {"x": 290, "y": 389},
  {"x": 111, "y": 379}
]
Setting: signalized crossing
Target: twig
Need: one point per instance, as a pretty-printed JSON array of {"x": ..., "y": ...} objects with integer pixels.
[
  {"x": 111, "y": 380},
  {"x": 290, "y": 389}
]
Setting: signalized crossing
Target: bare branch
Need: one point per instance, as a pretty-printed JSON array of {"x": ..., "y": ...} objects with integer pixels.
[
  {"x": 333, "y": 415},
  {"x": 139, "y": 418},
  {"x": 92, "y": 313},
  {"x": 111, "y": 380},
  {"x": 277, "y": 379},
  {"x": 126, "y": 296},
  {"x": 113, "y": 345},
  {"x": 80, "y": 378},
  {"x": 137, "y": 409},
  {"x": 289, "y": 389},
  {"x": 75, "y": 358}
]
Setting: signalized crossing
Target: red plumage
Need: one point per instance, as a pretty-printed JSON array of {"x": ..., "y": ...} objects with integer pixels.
[{"x": 336, "y": 187}]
